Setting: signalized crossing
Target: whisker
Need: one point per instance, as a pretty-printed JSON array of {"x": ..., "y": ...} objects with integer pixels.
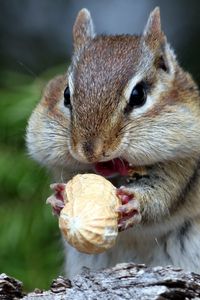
[
  {"x": 49, "y": 134},
  {"x": 56, "y": 121},
  {"x": 122, "y": 162}
]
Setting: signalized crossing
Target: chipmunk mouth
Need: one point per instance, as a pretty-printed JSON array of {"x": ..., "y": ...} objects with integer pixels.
[{"x": 114, "y": 167}]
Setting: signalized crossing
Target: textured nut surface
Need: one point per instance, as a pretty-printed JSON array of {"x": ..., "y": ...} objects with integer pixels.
[{"x": 89, "y": 219}]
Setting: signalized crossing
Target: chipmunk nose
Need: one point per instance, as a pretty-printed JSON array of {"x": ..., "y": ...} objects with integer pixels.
[
  {"x": 88, "y": 148},
  {"x": 92, "y": 150}
]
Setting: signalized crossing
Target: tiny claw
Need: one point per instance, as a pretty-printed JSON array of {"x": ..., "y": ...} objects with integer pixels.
[
  {"x": 57, "y": 199},
  {"x": 52, "y": 200},
  {"x": 124, "y": 196},
  {"x": 130, "y": 207},
  {"x": 58, "y": 187},
  {"x": 129, "y": 210},
  {"x": 128, "y": 222}
]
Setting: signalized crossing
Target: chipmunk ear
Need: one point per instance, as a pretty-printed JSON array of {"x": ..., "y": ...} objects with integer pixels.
[
  {"x": 165, "y": 58},
  {"x": 83, "y": 30},
  {"x": 153, "y": 26}
]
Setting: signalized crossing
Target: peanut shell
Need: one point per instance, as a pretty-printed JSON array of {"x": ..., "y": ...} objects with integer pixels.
[{"x": 89, "y": 219}]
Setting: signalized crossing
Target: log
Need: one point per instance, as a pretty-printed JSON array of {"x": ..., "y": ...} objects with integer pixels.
[{"x": 124, "y": 281}]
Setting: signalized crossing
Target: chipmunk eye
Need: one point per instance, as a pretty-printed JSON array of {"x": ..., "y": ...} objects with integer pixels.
[
  {"x": 67, "y": 101},
  {"x": 138, "y": 96}
]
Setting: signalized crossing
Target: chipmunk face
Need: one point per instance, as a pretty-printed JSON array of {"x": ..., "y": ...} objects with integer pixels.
[
  {"x": 98, "y": 100},
  {"x": 124, "y": 99},
  {"x": 122, "y": 95}
]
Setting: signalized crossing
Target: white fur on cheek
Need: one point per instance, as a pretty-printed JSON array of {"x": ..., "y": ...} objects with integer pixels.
[
  {"x": 138, "y": 111},
  {"x": 65, "y": 110},
  {"x": 71, "y": 84}
]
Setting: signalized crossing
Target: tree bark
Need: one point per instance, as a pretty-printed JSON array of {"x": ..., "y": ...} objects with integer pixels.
[{"x": 124, "y": 281}]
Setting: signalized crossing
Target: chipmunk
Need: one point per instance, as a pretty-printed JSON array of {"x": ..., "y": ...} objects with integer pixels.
[{"x": 126, "y": 103}]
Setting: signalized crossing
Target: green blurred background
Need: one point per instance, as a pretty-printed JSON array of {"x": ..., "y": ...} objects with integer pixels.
[{"x": 35, "y": 45}]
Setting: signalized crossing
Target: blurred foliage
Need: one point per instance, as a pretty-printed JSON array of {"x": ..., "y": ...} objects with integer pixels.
[{"x": 30, "y": 245}]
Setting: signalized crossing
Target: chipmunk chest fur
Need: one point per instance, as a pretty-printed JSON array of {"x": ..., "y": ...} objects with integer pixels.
[{"x": 126, "y": 106}]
